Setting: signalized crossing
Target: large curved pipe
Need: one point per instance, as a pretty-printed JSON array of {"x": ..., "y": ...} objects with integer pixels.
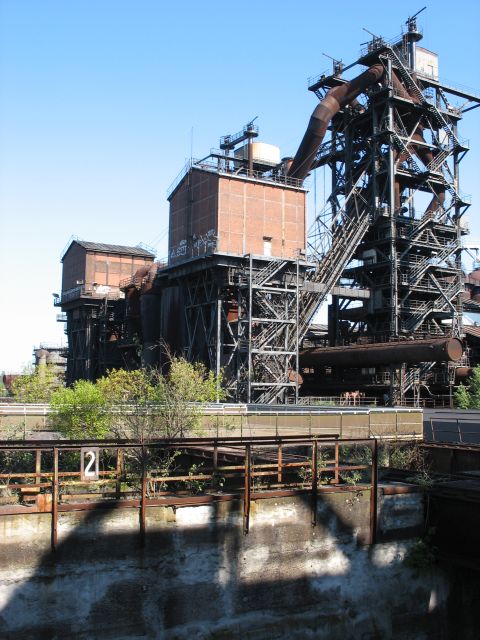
[
  {"x": 371, "y": 355},
  {"x": 336, "y": 99}
]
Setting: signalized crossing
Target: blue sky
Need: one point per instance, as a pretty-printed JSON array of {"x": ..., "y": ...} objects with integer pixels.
[{"x": 98, "y": 100}]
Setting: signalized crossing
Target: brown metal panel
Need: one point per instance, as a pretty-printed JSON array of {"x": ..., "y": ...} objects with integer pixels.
[
  {"x": 73, "y": 269},
  {"x": 86, "y": 269},
  {"x": 239, "y": 213}
]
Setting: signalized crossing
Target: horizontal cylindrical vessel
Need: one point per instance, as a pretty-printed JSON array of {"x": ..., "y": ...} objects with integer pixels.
[
  {"x": 370, "y": 355},
  {"x": 462, "y": 373}
]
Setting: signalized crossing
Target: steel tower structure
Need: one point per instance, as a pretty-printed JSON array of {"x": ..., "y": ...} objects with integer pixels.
[{"x": 394, "y": 158}]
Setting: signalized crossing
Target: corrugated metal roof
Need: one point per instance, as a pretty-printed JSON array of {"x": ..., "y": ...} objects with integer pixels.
[{"x": 113, "y": 248}]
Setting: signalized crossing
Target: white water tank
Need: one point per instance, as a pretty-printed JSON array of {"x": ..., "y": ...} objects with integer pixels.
[{"x": 263, "y": 153}]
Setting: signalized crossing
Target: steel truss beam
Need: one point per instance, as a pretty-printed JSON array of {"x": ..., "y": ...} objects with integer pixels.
[
  {"x": 243, "y": 320},
  {"x": 389, "y": 160}
]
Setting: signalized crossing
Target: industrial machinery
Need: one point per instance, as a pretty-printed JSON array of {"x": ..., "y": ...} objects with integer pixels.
[
  {"x": 393, "y": 222},
  {"x": 242, "y": 286},
  {"x": 99, "y": 324},
  {"x": 229, "y": 296}
]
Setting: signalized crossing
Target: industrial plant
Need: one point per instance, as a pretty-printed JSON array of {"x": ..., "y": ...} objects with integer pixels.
[{"x": 245, "y": 276}]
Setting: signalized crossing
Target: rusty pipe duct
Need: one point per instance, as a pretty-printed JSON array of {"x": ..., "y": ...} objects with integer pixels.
[
  {"x": 371, "y": 355},
  {"x": 336, "y": 99}
]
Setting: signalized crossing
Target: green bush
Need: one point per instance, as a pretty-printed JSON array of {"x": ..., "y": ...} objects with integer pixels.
[
  {"x": 81, "y": 411},
  {"x": 36, "y": 385},
  {"x": 158, "y": 406},
  {"x": 468, "y": 397}
]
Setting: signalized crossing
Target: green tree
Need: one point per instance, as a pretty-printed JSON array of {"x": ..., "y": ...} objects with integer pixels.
[
  {"x": 182, "y": 394},
  {"x": 130, "y": 397},
  {"x": 120, "y": 386},
  {"x": 468, "y": 397},
  {"x": 81, "y": 411},
  {"x": 160, "y": 406},
  {"x": 462, "y": 397},
  {"x": 474, "y": 388},
  {"x": 141, "y": 404},
  {"x": 193, "y": 382},
  {"x": 157, "y": 406},
  {"x": 3, "y": 388},
  {"x": 36, "y": 384}
]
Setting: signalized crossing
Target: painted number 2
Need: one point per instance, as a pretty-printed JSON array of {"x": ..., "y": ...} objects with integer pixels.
[
  {"x": 92, "y": 456},
  {"x": 89, "y": 463}
]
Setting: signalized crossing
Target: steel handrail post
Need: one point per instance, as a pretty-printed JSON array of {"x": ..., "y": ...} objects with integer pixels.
[
  {"x": 54, "y": 532},
  {"x": 143, "y": 499},
  {"x": 374, "y": 493},
  {"x": 246, "y": 497},
  {"x": 314, "y": 482}
]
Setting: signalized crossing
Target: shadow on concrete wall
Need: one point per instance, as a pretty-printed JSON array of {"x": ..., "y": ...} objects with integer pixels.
[{"x": 199, "y": 576}]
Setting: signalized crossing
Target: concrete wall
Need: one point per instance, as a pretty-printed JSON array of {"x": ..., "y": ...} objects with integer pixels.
[
  {"x": 199, "y": 576},
  {"x": 25, "y": 420}
]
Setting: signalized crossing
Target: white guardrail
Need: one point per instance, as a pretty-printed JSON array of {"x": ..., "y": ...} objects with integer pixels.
[{"x": 220, "y": 408}]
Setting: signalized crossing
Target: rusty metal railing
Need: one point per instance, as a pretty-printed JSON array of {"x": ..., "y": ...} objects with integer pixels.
[{"x": 61, "y": 476}]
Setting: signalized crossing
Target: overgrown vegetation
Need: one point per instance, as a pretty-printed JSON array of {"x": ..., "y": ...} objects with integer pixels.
[
  {"x": 423, "y": 553},
  {"x": 3, "y": 388},
  {"x": 141, "y": 404},
  {"x": 323, "y": 477},
  {"x": 80, "y": 411},
  {"x": 468, "y": 397},
  {"x": 413, "y": 458},
  {"x": 36, "y": 384}
]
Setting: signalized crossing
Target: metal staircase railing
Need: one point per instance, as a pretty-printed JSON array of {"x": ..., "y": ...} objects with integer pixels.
[
  {"x": 261, "y": 340},
  {"x": 415, "y": 376},
  {"x": 432, "y": 167},
  {"x": 421, "y": 267},
  {"x": 419, "y": 316},
  {"x": 326, "y": 151},
  {"x": 274, "y": 266},
  {"x": 418, "y": 229},
  {"x": 344, "y": 242},
  {"x": 439, "y": 159},
  {"x": 415, "y": 90},
  {"x": 332, "y": 259},
  {"x": 410, "y": 378},
  {"x": 406, "y": 75},
  {"x": 441, "y": 122},
  {"x": 406, "y": 150},
  {"x": 438, "y": 305}
]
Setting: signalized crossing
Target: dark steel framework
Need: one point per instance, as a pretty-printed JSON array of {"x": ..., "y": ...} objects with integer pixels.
[
  {"x": 99, "y": 333},
  {"x": 394, "y": 163},
  {"x": 387, "y": 246},
  {"x": 242, "y": 316}
]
